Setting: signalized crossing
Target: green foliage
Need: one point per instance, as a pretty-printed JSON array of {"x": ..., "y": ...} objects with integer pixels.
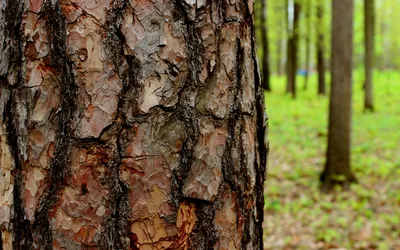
[
  {"x": 298, "y": 216},
  {"x": 387, "y": 30}
]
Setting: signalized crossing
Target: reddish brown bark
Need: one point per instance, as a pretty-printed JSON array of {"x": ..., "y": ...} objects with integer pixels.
[{"x": 130, "y": 125}]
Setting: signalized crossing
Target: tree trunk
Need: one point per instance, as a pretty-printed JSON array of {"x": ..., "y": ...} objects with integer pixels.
[
  {"x": 320, "y": 49},
  {"x": 292, "y": 51},
  {"x": 130, "y": 125},
  {"x": 308, "y": 42},
  {"x": 337, "y": 169},
  {"x": 369, "y": 30},
  {"x": 265, "y": 49},
  {"x": 281, "y": 52},
  {"x": 288, "y": 49},
  {"x": 282, "y": 41}
]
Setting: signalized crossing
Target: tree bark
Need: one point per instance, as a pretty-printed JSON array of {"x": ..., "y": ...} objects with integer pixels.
[
  {"x": 130, "y": 125},
  {"x": 282, "y": 41},
  {"x": 288, "y": 49},
  {"x": 308, "y": 42},
  {"x": 281, "y": 45},
  {"x": 369, "y": 30},
  {"x": 292, "y": 51},
  {"x": 337, "y": 169},
  {"x": 320, "y": 49},
  {"x": 264, "y": 41}
]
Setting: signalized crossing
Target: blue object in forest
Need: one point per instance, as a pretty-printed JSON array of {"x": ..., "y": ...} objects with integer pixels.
[{"x": 302, "y": 72}]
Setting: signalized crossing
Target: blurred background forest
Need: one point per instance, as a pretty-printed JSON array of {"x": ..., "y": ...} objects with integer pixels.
[{"x": 360, "y": 209}]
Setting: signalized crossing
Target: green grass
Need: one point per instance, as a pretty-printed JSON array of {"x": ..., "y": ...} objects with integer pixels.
[{"x": 298, "y": 216}]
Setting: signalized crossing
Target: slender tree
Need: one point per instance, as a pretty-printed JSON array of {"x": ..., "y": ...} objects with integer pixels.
[
  {"x": 307, "y": 6},
  {"x": 369, "y": 32},
  {"x": 130, "y": 125},
  {"x": 320, "y": 48},
  {"x": 292, "y": 49},
  {"x": 265, "y": 49},
  {"x": 281, "y": 51},
  {"x": 288, "y": 48},
  {"x": 282, "y": 41},
  {"x": 337, "y": 169}
]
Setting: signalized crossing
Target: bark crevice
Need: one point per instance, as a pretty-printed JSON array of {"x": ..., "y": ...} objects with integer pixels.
[
  {"x": 116, "y": 233},
  {"x": 23, "y": 238},
  {"x": 181, "y": 132},
  {"x": 261, "y": 144},
  {"x": 13, "y": 80},
  {"x": 58, "y": 165}
]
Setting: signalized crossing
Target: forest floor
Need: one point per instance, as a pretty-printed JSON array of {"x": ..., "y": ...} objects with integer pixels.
[{"x": 297, "y": 214}]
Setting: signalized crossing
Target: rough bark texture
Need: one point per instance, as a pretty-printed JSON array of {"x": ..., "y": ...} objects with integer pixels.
[
  {"x": 292, "y": 50},
  {"x": 265, "y": 49},
  {"x": 130, "y": 125},
  {"x": 369, "y": 30},
  {"x": 320, "y": 49},
  {"x": 337, "y": 169}
]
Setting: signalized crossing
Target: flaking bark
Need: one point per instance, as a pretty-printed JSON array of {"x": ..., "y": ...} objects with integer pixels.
[{"x": 130, "y": 125}]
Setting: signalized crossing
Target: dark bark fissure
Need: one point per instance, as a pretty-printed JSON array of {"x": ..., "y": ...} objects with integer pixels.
[
  {"x": 240, "y": 185},
  {"x": 4, "y": 83},
  {"x": 128, "y": 66},
  {"x": 203, "y": 235},
  {"x": 13, "y": 33},
  {"x": 117, "y": 225},
  {"x": 21, "y": 227},
  {"x": 58, "y": 165},
  {"x": 238, "y": 179},
  {"x": 260, "y": 144}
]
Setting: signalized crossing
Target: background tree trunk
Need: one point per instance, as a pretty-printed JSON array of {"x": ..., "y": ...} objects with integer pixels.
[
  {"x": 282, "y": 41},
  {"x": 337, "y": 169},
  {"x": 320, "y": 49},
  {"x": 281, "y": 52},
  {"x": 307, "y": 6},
  {"x": 292, "y": 51},
  {"x": 264, "y": 39},
  {"x": 369, "y": 26},
  {"x": 288, "y": 49},
  {"x": 130, "y": 126}
]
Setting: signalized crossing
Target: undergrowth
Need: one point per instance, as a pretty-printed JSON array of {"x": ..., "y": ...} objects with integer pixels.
[{"x": 297, "y": 214}]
